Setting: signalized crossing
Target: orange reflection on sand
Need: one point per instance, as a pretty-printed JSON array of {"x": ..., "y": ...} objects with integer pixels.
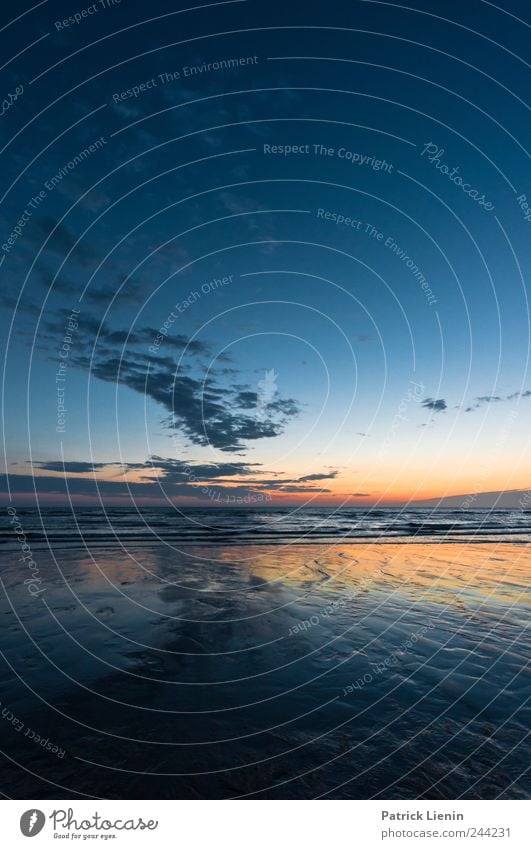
[{"x": 499, "y": 571}]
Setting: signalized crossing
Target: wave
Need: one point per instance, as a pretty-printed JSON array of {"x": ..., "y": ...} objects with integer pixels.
[{"x": 97, "y": 527}]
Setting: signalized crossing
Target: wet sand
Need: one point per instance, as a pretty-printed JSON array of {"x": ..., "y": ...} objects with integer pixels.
[{"x": 350, "y": 671}]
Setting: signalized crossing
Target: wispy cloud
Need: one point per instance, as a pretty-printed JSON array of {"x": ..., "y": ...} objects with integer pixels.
[{"x": 480, "y": 400}]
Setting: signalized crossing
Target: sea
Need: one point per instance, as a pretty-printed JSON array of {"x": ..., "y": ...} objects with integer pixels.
[
  {"x": 257, "y": 654},
  {"x": 94, "y": 527}
]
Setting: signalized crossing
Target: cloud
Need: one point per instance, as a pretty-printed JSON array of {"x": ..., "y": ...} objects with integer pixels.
[
  {"x": 247, "y": 400},
  {"x": 91, "y": 487},
  {"x": 285, "y": 406},
  {"x": 295, "y": 488},
  {"x": 207, "y": 412},
  {"x": 163, "y": 477},
  {"x": 317, "y": 477},
  {"x": 214, "y": 412},
  {"x": 525, "y": 394},
  {"x": 171, "y": 467},
  {"x": 179, "y": 471},
  {"x": 73, "y": 467},
  {"x": 438, "y": 405},
  {"x": 295, "y": 484},
  {"x": 511, "y": 499},
  {"x": 492, "y": 399}
]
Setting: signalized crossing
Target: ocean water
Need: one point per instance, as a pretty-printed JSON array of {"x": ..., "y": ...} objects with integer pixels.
[
  {"x": 266, "y": 655},
  {"x": 219, "y": 526}
]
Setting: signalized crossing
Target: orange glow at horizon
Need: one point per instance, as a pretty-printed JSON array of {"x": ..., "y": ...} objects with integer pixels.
[{"x": 393, "y": 482}]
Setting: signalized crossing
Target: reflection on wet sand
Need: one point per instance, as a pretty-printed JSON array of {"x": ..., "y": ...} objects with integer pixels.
[{"x": 355, "y": 670}]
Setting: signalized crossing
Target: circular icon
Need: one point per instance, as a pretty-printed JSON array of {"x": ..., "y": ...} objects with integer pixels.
[{"x": 32, "y": 822}]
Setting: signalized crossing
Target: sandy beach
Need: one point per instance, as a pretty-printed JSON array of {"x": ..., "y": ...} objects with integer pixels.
[{"x": 360, "y": 670}]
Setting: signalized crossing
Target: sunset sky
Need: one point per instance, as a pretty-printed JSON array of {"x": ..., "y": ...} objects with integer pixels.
[{"x": 272, "y": 285}]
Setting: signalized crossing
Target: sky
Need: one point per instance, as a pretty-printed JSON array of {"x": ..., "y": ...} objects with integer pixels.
[{"x": 264, "y": 254}]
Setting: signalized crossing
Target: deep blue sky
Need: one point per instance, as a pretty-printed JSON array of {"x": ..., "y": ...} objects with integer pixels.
[{"x": 375, "y": 384}]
